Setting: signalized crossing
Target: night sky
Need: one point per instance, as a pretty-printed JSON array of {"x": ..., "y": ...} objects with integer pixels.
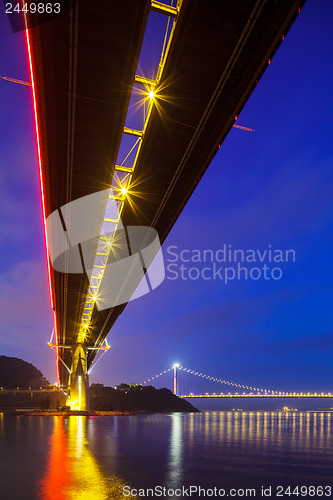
[{"x": 271, "y": 187}]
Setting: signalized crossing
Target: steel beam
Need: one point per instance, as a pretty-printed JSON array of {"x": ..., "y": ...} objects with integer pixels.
[
  {"x": 131, "y": 131},
  {"x": 145, "y": 81},
  {"x": 164, "y": 9}
]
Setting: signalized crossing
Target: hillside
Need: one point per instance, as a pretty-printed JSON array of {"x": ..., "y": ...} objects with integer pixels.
[
  {"x": 15, "y": 372},
  {"x": 136, "y": 398}
]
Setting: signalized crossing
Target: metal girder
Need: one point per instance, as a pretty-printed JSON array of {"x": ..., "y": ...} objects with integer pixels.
[
  {"x": 131, "y": 131},
  {"x": 145, "y": 81},
  {"x": 104, "y": 347},
  {"x": 164, "y": 9},
  {"x": 60, "y": 345},
  {"x": 124, "y": 169}
]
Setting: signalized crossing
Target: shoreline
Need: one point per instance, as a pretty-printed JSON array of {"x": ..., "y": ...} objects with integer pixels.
[
  {"x": 106, "y": 413},
  {"x": 88, "y": 413}
]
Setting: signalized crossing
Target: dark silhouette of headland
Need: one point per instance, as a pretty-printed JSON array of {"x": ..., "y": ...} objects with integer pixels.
[{"x": 23, "y": 386}]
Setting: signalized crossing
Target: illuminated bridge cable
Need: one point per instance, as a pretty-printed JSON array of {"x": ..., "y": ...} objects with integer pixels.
[
  {"x": 255, "y": 391},
  {"x": 156, "y": 376},
  {"x": 56, "y": 351},
  {"x": 52, "y": 335},
  {"x": 94, "y": 363},
  {"x": 227, "y": 382}
]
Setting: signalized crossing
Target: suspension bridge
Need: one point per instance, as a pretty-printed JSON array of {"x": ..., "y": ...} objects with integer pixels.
[
  {"x": 248, "y": 391},
  {"x": 111, "y": 128}
]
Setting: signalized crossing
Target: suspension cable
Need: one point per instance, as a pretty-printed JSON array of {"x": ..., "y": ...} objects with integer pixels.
[
  {"x": 156, "y": 376},
  {"x": 226, "y": 382}
]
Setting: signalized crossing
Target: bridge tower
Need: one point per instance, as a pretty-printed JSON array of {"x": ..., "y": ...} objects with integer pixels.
[
  {"x": 175, "y": 379},
  {"x": 78, "y": 385}
]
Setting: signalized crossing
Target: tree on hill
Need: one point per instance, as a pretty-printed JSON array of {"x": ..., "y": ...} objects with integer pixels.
[{"x": 15, "y": 372}]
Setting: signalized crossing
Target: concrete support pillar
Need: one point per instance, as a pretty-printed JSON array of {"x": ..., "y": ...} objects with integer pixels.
[{"x": 78, "y": 385}]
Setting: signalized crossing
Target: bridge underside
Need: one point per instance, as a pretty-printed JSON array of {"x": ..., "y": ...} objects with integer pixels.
[{"x": 84, "y": 66}]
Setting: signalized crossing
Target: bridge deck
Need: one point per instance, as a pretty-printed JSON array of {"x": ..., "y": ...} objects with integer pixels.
[
  {"x": 84, "y": 65},
  {"x": 261, "y": 396}
]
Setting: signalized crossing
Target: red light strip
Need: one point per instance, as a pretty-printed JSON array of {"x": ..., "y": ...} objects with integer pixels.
[
  {"x": 41, "y": 180},
  {"x": 39, "y": 162},
  {"x": 57, "y": 348}
]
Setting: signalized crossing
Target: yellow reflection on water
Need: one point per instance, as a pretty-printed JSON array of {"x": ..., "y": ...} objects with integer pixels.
[
  {"x": 72, "y": 471},
  {"x": 267, "y": 430},
  {"x": 176, "y": 451}
]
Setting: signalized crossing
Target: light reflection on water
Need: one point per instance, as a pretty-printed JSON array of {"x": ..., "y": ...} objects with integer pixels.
[
  {"x": 93, "y": 458},
  {"x": 72, "y": 470},
  {"x": 176, "y": 452}
]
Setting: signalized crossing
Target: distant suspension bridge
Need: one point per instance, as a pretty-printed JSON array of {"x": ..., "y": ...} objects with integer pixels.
[{"x": 248, "y": 391}]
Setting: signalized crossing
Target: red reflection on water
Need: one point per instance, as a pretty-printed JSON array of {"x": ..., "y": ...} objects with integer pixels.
[{"x": 57, "y": 475}]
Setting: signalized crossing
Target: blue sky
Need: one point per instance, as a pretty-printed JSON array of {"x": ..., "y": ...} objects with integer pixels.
[{"x": 272, "y": 187}]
